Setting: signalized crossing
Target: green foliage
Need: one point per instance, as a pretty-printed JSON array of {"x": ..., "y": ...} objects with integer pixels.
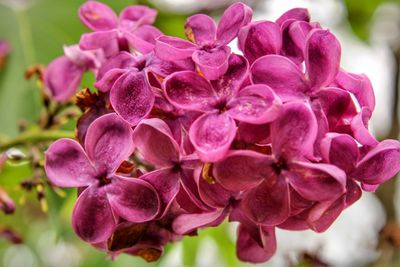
[{"x": 360, "y": 13}]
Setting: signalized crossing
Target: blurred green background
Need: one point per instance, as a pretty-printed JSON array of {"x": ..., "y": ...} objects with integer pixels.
[{"x": 37, "y": 30}]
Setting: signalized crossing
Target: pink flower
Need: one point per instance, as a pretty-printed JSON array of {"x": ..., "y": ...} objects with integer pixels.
[
  {"x": 64, "y": 74},
  {"x": 322, "y": 60},
  {"x": 208, "y": 46},
  {"x": 114, "y": 34},
  {"x": 268, "y": 180},
  {"x": 174, "y": 171},
  {"x": 106, "y": 195},
  {"x": 222, "y": 101},
  {"x": 127, "y": 78}
]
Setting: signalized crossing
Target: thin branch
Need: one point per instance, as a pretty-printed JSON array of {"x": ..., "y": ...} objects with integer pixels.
[{"x": 36, "y": 136}]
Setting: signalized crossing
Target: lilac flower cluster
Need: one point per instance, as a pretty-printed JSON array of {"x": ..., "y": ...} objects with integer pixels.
[{"x": 183, "y": 134}]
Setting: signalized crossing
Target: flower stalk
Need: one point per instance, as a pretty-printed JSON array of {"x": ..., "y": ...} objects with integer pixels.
[{"x": 34, "y": 137}]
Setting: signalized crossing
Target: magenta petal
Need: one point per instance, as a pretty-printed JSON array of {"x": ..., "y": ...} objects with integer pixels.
[
  {"x": 164, "y": 68},
  {"x": 67, "y": 164},
  {"x": 97, "y": 16},
  {"x": 340, "y": 150},
  {"x": 269, "y": 202},
  {"x": 359, "y": 126},
  {"x": 132, "y": 97},
  {"x": 109, "y": 142},
  {"x": 212, "y": 63},
  {"x": 133, "y": 199},
  {"x": 337, "y": 105},
  {"x": 293, "y": 134},
  {"x": 259, "y": 39},
  {"x": 211, "y": 135},
  {"x": 138, "y": 14},
  {"x": 200, "y": 29},
  {"x": 322, "y": 57},
  {"x": 242, "y": 170},
  {"x": 256, "y": 104},
  {"x": 144, "y": 38},
  {"x": 297, "y": 203},
  {"x": 323, "y": 214},
  {"x": 289, "y": 47},
  {"x": 294, "y": 14},
  {"x": 107, "y": 40},
  {"x": 323, "y": 125},
  {"x": 187, "y": 223},
  {"x": 173, "y": 48},
  {"x": 213, "y": 194},
  {"x": 379, "y": 164},
  {"x": 282, "y": 75},
  {"x": 295, "y": 223},
  {"x": 154, "y": 140},
  {"x": 166, "y": 183},
  {"x": 317, "y": 181},
  {"x": 253, "y": 133},
  {"x": 87, "y": 118},
  {"x": 92, "y": 217},
  {"x": 191, "y": 189},
  {"x": 229, "y": 84},
  {"x": 185, "y": 203},
  {"x": 369, "y": 187},
  {"x": 62, "y": 77},
  {"x": 235, "y": 17},
  {"x": 107, "y": 81},
  {"x": 249, "y": 249},
  {"x": 360, "y": 86},
  {"x": 89, "y": 59},
  {"x": 353, "y": 192},
  {"x": 122, "y": 60},
  {"x": 298, "y": 32},
  {"x": 188, "y": 90}
]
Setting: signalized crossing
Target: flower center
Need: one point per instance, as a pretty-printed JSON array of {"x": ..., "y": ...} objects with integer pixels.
[
  {"x": 279, "y": 165},
  {"x": 141, "y": 64},
  {"x": 103, "y": 179},
  {"x": 176, "y": 167},
  {"x": 207, "y": 47},
  {"x": 123, "y": 44},
  {"x": 221, "y": 106}
]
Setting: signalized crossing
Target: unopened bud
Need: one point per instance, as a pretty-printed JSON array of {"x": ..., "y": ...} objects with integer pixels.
[{"x": 6, "y": 203}]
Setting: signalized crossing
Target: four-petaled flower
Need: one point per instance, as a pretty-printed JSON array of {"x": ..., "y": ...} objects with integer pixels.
[
  {"x": 106, "y": 195},
  {"x": 222, "y": 101},
  {"x": 269, "y": 180},
  {"x": 208, "y": 46},
  {"x": 112, "y": 33}
]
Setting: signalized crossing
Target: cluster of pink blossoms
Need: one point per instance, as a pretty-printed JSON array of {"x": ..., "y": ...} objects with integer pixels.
[{"x": 184, "y": 134}]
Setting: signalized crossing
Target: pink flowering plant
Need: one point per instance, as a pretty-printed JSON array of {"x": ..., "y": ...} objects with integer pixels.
[{"x": 181, "y": 135}]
